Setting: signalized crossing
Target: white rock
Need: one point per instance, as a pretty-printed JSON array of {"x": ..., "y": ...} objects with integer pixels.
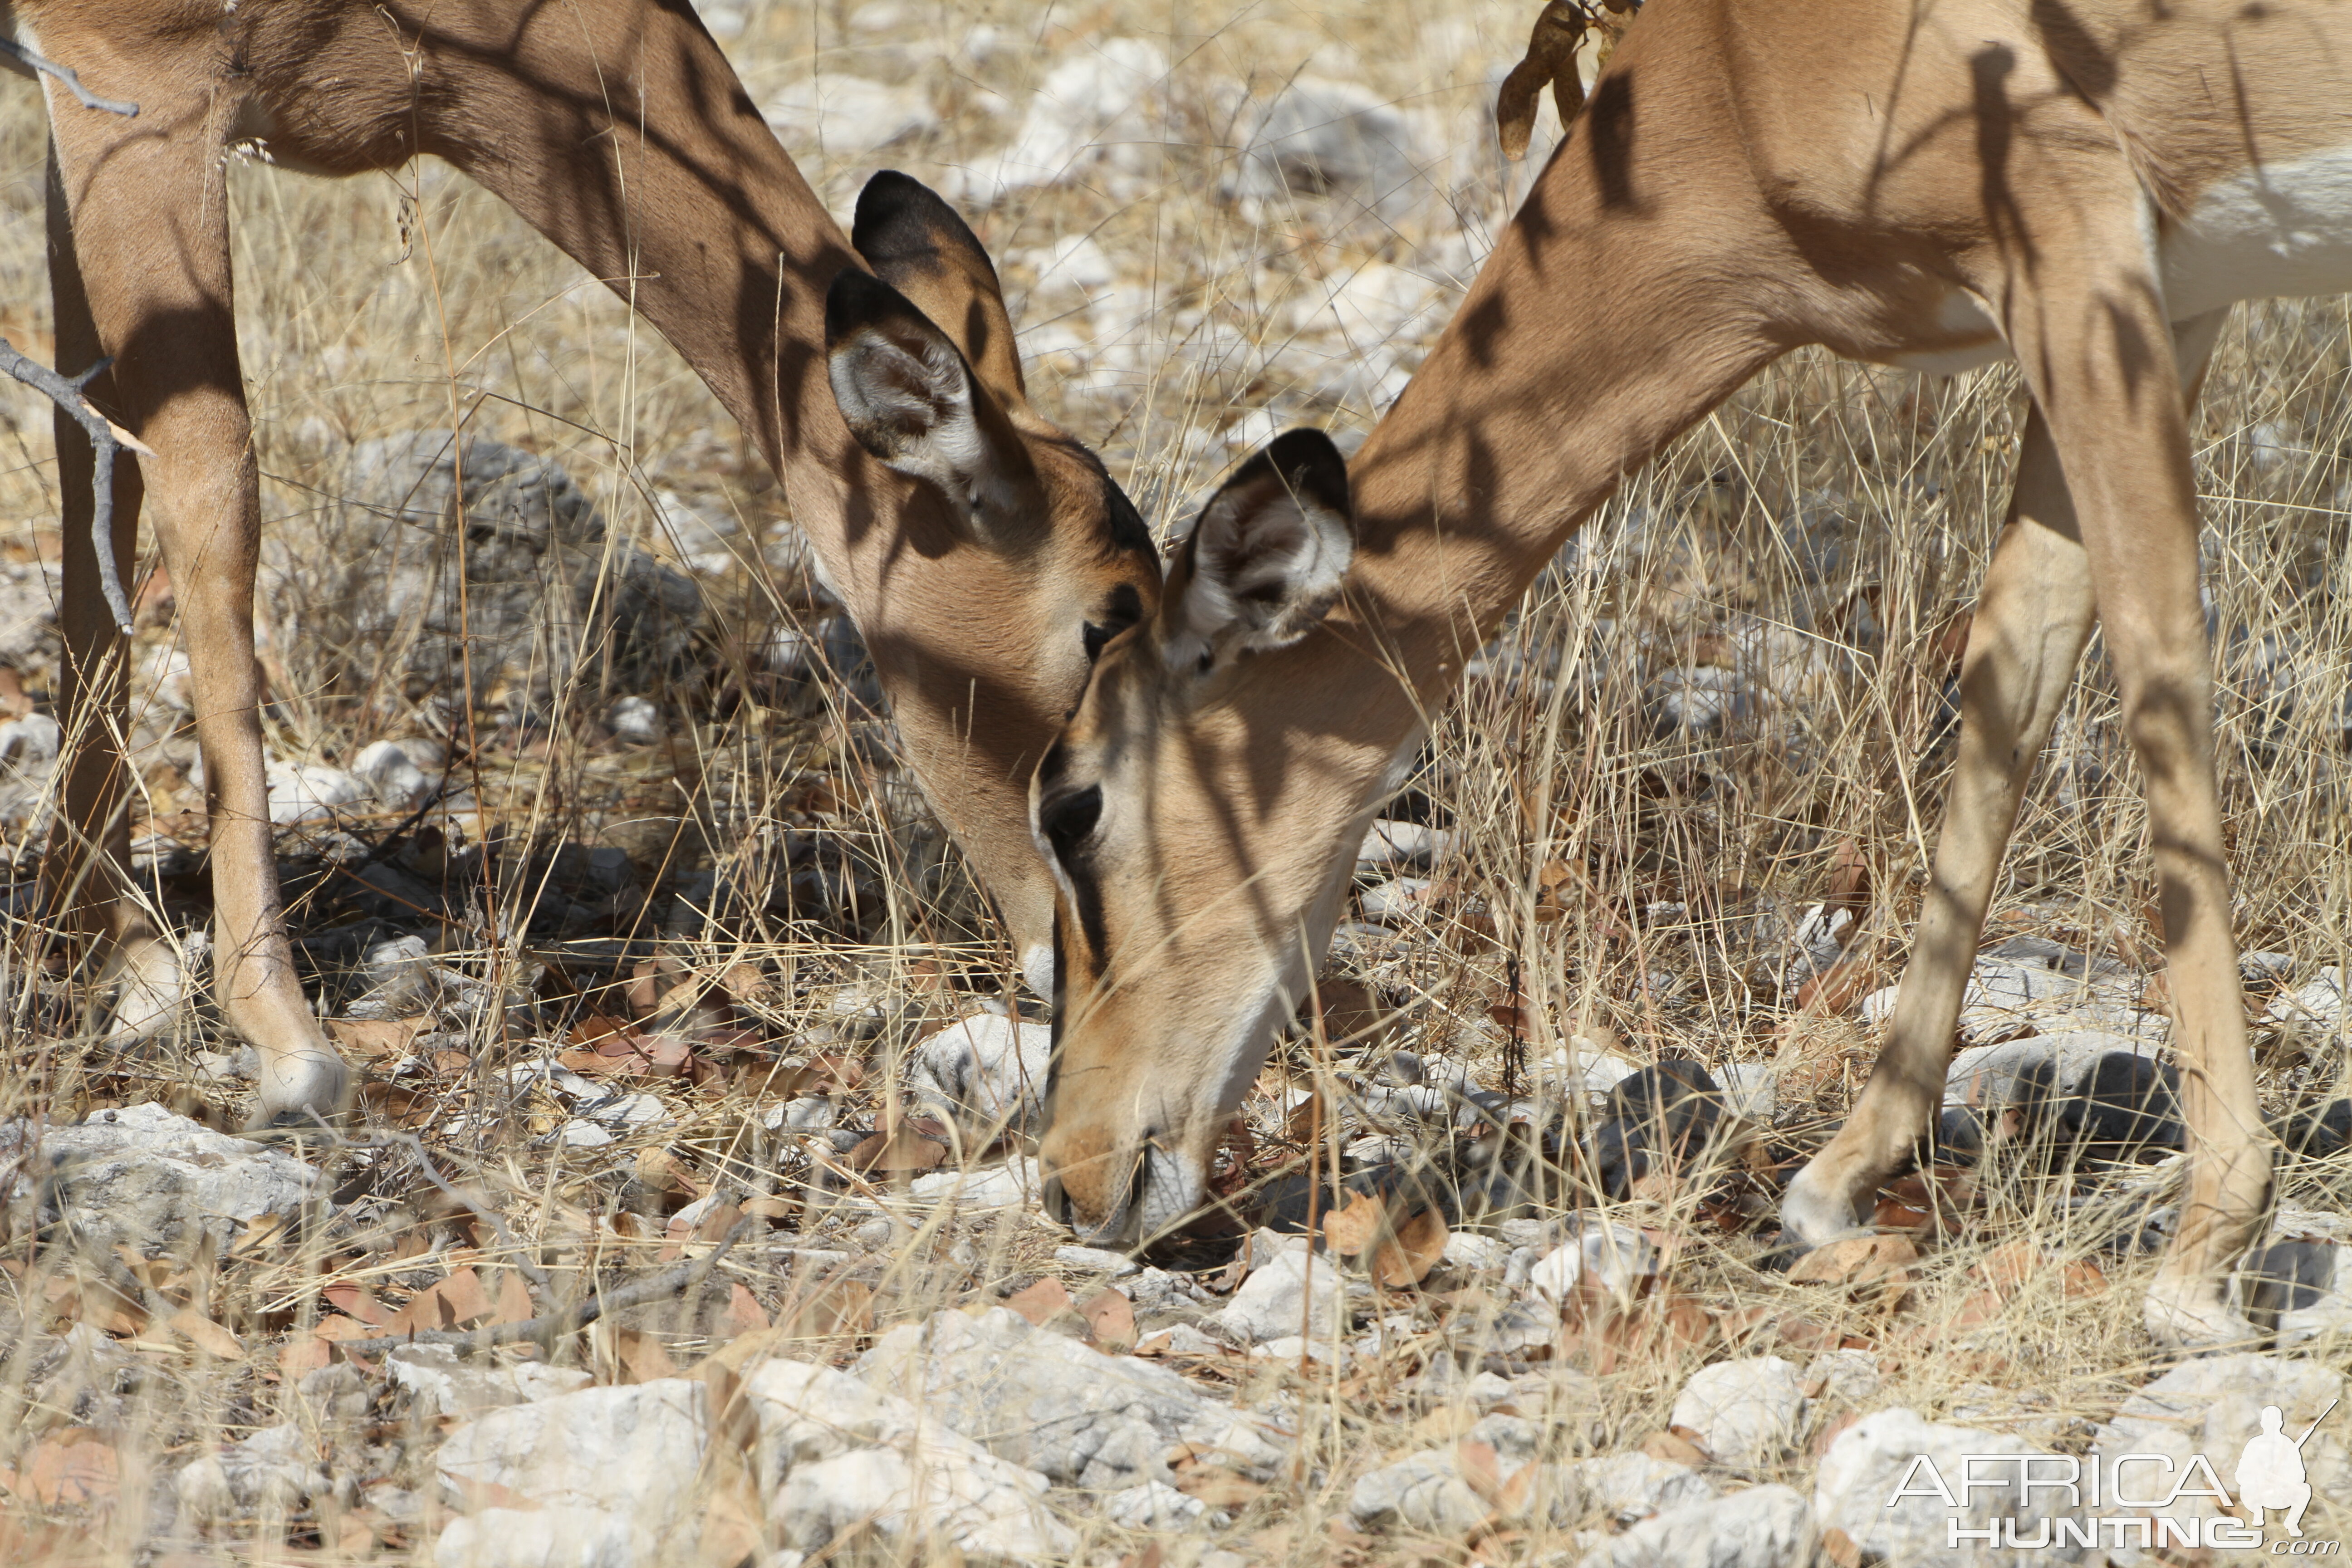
[
  {"x": 581, "y": 1133},
  {"x": 627, "y": 1111},
  {"x": 1763, "y": 1527},
  {"x": 1849, "y": 1376},
  {"x": 1750, "y": 1089},
  {"x": 1747, "y": 1413},
  {"x": 1010, "y": 1185},
  {"x": 444, "y": 1385},
  {"x": 632, "y": 1451},
  {"x": 833, "y": 1453},
  {"x": 1096, "y": 1260},
  {"x": 2211, "y": 1407},
  {"x": 1095, "y": 114},
  {"x": 1398, "y": 899},
  {"x": 1633, "y": 1486},
  {"x": 1400, "y": 847},
  {"x": 1581, "y": 1066},
  {"x": 983, "y": 1074},
  {"x": 1880, "y": 1456},
  {"x": 1053, "y": 1404},
  {"x": 277, "y": 1470},
  {"x": 1988, "y": 1075},
  {"x": 1615, "y": 1256},
  {"x": 560, "y": 1537},
  {"x": 1294, "y": 1348},
  {"x": 2318, "y": 1003},
  {"x": 1423, "y": 1493},
  {"x": 391, "y": 775},
  {"x": 1467, "y": 1252},
  {"x": 634, "y": 722},
  {"x": 1295, "y": 1290},
  {"x": 31, "y": 742},
  {"x": 1154, "y": 1505},
  {"x": 144, "y": 1177},
  {"x": 843, "y": 116},
  {"x": 310, "y": 792},
  {"x": 1325, "y": 137}
]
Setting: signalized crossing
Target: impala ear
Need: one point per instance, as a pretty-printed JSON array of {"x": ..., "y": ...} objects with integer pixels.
[
  {"x": 909, "y": 397},
  {"x": 1267, "y": 559},
  {"x": 922, "y": 247}
]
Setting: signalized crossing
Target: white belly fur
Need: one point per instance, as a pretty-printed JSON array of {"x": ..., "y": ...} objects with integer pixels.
[{"x": 2280, "y": 232}]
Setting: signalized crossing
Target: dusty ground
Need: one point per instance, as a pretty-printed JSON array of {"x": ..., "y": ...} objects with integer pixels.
[{"x": 648, "y": 948}]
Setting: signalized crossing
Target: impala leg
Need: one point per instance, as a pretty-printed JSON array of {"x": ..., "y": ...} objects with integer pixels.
[
  {"x": 2034, "y": 615},
  {"x": 2032, "y": 618},
  {"x": 141, "y": 248}
]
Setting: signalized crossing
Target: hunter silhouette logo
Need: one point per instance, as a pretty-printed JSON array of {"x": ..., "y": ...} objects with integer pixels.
[
  {"x": 2127, "y": 1501},
  {"x": 2269, "y": 1472}
]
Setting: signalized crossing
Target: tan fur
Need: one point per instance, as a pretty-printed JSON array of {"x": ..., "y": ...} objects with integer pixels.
[
  {"x": 1745, "y": 179},
  {"x": 617, "y": 129}
]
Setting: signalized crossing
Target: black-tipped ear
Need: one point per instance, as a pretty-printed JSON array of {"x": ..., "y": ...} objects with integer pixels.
[
  {"x": 1266, "y": 560},
  {"x": 910, "y": 398},
  {"x": 922, "y": 247}
]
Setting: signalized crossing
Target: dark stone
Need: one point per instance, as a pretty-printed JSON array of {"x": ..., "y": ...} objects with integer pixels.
[
  {"x": 2285, "y": 1277},
  {"x": 1660, "y": 1117}
]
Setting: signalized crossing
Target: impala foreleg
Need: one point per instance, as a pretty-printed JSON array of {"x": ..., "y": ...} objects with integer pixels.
[
  {"x": 139, "y": 262},
  {"x": 2032, "y": 618}
]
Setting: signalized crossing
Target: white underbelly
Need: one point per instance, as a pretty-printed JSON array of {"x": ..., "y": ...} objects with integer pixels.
[{"x": 2280, "y": 232}]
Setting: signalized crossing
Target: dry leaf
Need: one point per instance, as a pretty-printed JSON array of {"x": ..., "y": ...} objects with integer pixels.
[
  {"x": 204, "y": 1334},
  {"x": 358, "y": 1301},
  {"x": 1356, "y": 1227},
  {"x": 1219, "y": 1487},
  {"x": 1045, "y": 1300},
  {"x": 377, "y": 1037},
  {"x": 1675, "y": 1448},
  {"x": 1111, "y": 1319},
  {"x": 1857, "y": 1261},
  {"x": 2006, "y": 1268},
  {"x": 744, "y": 1313},
  {"x": 626, "y": 1355},
  {"x": 72, "y": 1468},
  {"x": 829, "y": 1309},
  {"x": 901, "y": 1151},
  {"x": 1407, "y": 1256}
]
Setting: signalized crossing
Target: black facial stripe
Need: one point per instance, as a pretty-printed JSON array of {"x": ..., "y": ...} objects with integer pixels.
[
  {"x": 1086, "y": 897},
  {"x": 1067, "y": 820}
]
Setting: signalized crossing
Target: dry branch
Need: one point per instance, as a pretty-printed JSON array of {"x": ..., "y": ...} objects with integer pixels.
[
  {"x": 107, "y": 442},
  {"x": 33, "y": 61}
]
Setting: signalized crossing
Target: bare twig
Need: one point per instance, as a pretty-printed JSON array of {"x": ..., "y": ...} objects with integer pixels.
[
  {"x": 34, "y": 62},
  {"x": 107, "y": 441},
  {"x": 683, "y": 1278}
]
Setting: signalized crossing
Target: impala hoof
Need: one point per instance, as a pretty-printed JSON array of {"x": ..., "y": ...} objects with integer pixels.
[
  {"x": 1814, "y": 1212},
  {"x": 300, "y": 1085},
  {"x": 2193, "y": 1316}
]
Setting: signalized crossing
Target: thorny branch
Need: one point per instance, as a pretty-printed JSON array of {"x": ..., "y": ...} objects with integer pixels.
[
  {"x": 107, "y": 441},
  {"x": 35, "y": 62}
]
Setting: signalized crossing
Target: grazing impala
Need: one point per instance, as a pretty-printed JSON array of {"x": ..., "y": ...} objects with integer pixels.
[
  {"x": 2085, "y": 185},
  {"x": 984, "y": 556}
]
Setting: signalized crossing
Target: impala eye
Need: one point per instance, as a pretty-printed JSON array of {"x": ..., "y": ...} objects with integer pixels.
[{"x": 1066, "y": 821}]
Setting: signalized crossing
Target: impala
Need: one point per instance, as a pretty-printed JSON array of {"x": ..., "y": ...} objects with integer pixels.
[
  {"x": 2084, "y": 185},
  {"x": 983, "y": 553}
]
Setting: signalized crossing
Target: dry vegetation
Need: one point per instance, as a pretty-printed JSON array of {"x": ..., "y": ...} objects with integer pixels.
[{"x": 1727, "y": 699}]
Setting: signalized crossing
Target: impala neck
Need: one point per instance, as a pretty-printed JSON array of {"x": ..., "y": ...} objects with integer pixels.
[
  {"x": 1609, "y": 319},
  {"x": 620, "y": 133}
]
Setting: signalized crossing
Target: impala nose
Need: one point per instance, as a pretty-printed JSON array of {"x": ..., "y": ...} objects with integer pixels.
[{"x": 1057, "y": 1204}]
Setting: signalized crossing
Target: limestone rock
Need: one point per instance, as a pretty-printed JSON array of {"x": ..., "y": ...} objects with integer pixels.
[
  {"x": 1049, "y": 1402},
  {"x": 2212, "y": 1405},
  {"x": 632, "y": 1453},
  {"x": 985, "y": 1074},
  {"x": 833, "y": 1453},
  {"x": 143, "y": 1177},
  {"x": 1879, "y": 1456},
  {"x": 444, "y": 1384},
  {"x": 1294, "y": 1290},
  {"x": 1747, "y": 1413},
  {"x": 1763, "y": 1527}
]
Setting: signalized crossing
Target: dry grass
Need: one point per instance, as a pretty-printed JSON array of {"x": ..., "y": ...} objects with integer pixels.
[{"x": 1818, "y": 535}]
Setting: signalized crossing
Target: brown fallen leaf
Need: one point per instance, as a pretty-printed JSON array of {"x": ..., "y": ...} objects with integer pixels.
[
  {"x": 457, "y": 1302},
  {"x": 1857, "y": 1261},
  {"x": 2007, "y": 1268},
  {"x": 1219, "y": 1487},
  {"x": 827, "y": 1310},
  {"x": 204, "y": 1334},
  {"x": 626, "y": 1355},
  {"x": 1046, "y": 1299},
  {"x": 1111, "y": 1319},
  {"x": 1406, "y": 1256},
  {"x": 1355, "y": 1226},
  {"x": 73, "y": 1468},
  {"x": 901, "y": 1151},
  {"x": 1675, "y": 1448},
  {"x": 744, "y": 1313}
]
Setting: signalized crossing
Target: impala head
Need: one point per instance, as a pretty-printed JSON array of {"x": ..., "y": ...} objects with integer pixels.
[
  {"x": 1055, "y": 560},
  {"x": 1181, "y": 944}
]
